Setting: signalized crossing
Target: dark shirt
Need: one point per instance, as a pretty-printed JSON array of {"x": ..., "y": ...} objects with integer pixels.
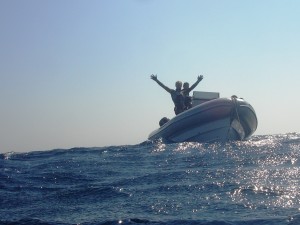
[{"x": 177, "y": 97}]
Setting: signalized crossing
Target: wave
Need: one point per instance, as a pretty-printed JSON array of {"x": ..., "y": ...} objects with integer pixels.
[
  {"x": 291, "y": 220},
  {"x": 256, "y": 140},
  {"x": 235, "y": 183}
]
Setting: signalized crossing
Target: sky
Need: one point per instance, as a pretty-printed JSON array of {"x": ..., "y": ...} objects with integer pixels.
[{"x": 76, "y": 73}]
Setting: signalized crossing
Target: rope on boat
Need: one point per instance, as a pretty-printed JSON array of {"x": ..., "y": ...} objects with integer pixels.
[
  {"x": 234, "y": 100},
  {"x": 234, "y": 97}
]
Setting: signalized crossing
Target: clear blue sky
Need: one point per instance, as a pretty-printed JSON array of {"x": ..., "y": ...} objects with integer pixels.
[{"x": 77, "y": 73}]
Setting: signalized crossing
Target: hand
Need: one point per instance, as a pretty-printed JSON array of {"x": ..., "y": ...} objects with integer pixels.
[
  {"x": 200, "y": 77},
  {"x": 153, "y": 77}
]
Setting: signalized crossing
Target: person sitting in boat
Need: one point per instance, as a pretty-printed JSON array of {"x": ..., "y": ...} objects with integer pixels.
[
  {"x": 176, "y": 94},
  {"x": 186, "y": 92}
]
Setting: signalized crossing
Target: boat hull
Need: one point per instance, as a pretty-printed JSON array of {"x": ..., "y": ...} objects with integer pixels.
[{"x": 222, "y": 119}]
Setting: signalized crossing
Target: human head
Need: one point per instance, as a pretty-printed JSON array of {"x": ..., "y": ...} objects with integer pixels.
[
  {"x": 186, "y": 85},
  {"x": 178, "y": 84}
]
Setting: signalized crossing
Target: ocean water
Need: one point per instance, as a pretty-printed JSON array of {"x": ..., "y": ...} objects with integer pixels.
[{"x": 237, "y": 183}]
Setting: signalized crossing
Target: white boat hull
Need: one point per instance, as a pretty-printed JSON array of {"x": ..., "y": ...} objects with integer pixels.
[{"x": 221, "y": 119}]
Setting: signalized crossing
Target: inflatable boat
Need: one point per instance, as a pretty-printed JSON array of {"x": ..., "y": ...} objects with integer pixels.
[{"x": 211, "y": 119}]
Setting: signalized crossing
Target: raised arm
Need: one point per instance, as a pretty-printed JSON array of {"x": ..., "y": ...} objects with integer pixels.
[
  {"x": 196, "y": 83},
  {"x": 154, "y": 77}
]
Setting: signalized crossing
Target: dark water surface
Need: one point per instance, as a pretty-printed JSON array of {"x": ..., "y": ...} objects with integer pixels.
[{"x": 252, "y": 182}]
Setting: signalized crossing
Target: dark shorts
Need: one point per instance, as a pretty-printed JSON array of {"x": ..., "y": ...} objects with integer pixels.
[{"x": 178, "y": 110}]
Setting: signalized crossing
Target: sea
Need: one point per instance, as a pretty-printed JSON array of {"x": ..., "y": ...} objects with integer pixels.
[{"x": 237, "y": 183}]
